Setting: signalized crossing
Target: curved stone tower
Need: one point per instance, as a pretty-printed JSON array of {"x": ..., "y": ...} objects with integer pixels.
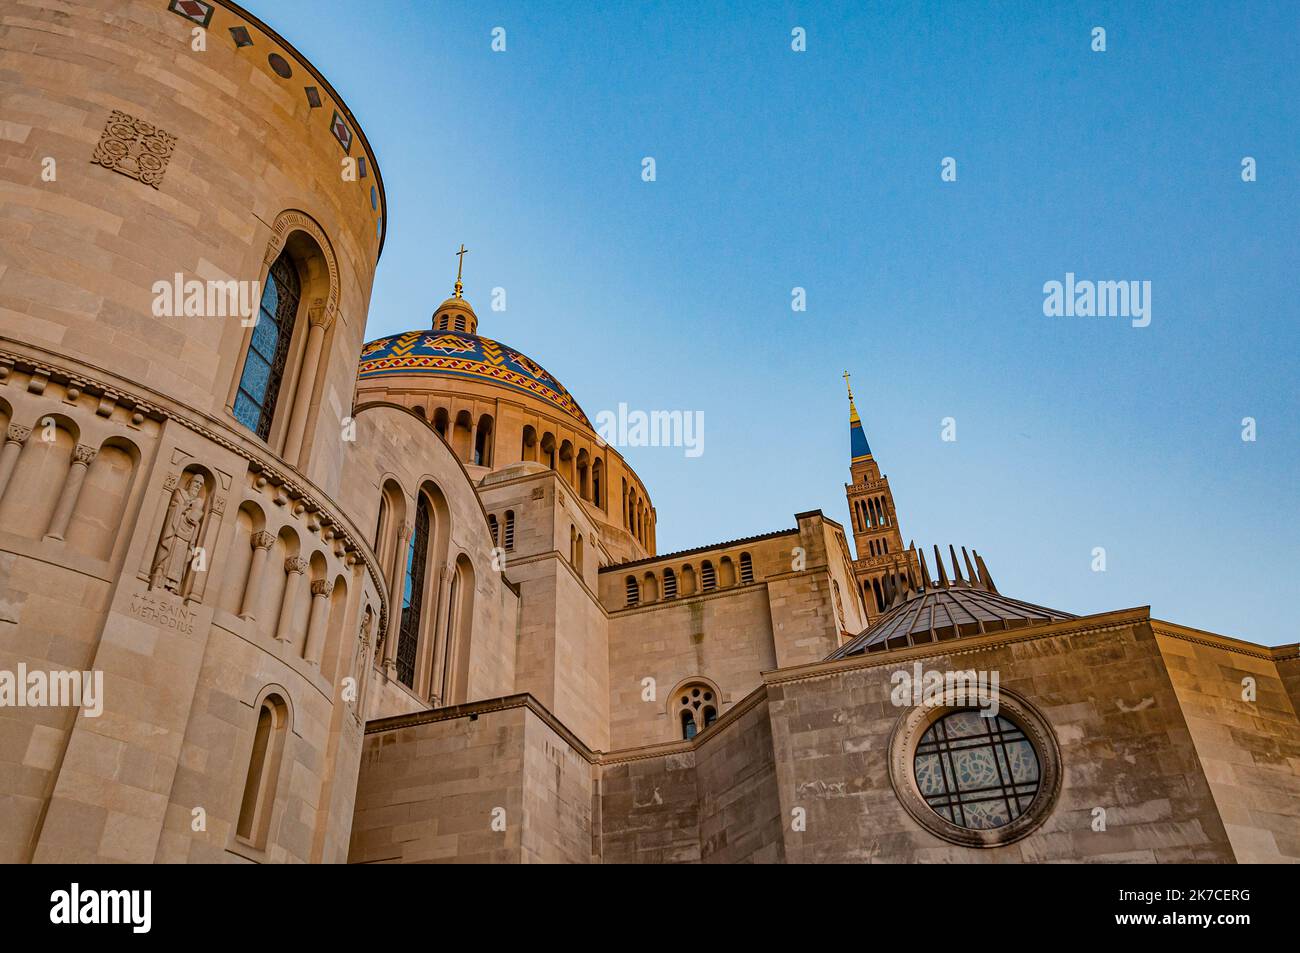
[{"x": 192, "y": 219}]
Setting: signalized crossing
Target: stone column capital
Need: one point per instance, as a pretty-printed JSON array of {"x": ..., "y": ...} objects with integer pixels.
[
  {"x": 322, "y": 587},
  {"x": 18, "y": 433},
  {"x": 318, "y": 315},
  {"x": 84, "y": 454},
  {"x": 295, "y": 564},
  {"x": 263, "y": 540}
]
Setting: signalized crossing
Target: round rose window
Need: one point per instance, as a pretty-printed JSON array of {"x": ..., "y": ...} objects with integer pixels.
[{"x": 975, "y": 772}]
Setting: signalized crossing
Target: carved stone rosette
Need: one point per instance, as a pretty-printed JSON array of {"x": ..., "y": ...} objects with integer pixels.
[{"x": 135, "y": 148}]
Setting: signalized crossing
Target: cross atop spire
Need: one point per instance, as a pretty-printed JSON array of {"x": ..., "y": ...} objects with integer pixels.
[
  {"x": 853, "y": 410},
  {"x": 460, "y": 263}
]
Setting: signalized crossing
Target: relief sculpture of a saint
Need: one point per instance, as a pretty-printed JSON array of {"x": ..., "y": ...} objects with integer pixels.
[{"x": 180, "y": 534}]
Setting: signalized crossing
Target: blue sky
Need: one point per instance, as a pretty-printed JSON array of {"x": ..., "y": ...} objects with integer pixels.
[{"x": 821, "y": 170}]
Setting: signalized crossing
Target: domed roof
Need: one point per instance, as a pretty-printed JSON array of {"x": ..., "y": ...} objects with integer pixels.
[
  {"x": 942, "y": 614},
  {"x": 943, "y": 609},
  {"x": 441, "y": 353}
]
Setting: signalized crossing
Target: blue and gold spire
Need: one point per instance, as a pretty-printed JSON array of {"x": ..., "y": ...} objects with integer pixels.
[{"x": 859, "y": 449}]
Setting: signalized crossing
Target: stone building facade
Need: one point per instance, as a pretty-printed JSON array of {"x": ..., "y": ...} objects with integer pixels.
[{"x": 400, "y": 601}]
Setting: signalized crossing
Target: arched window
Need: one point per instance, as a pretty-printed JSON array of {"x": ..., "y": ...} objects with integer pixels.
[
  {"x": 708, "y": 578},
  {"x": 746, "y": 568},
  {"x": 460, "y": 322},
  {"x": 493, "y": 530},
  {"x": 442, "y": 423},
  {"x": 573, "y": 545},
  {"x": 408, "y": 638},
  {"x": 258, "y": 802},
  {"x": 460, "y": 603},
  {"x": 584, "y": 474},
  {"x": 379, "y": 523},
  {"x": 528, "y": 444},
  {"x": 670, "y": 584},
  {"x": 633, "y": 591},
  {"x": 597, "y": 481},
  {"x": 483, "y": 441},
  {"x": 697, "y": 708},
  {"x": 508, "y": 543},
  {"x": 578, "y": 564},
  {"x": 268, "y": 349}
]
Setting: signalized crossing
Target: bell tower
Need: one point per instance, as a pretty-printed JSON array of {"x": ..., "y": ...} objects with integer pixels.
[{"x": 876, "y": 535}]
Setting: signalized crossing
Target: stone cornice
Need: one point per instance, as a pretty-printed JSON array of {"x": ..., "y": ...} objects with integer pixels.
[
  {"x": 355, "y": 126},
  {"x": 720, "y": 548},
  {"x": 590, "y": 755},
  {"x": 95, "y": 381},
  {"x": 1102, "y": 622},
  {"x": 1214, "y": 640},
  {"x": 760, "y": 584}
]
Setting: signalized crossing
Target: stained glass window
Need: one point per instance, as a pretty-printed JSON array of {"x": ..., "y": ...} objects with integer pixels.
[
  {"x": 696, "y": 700},
  {"x": 408, "y": 637},
  {"x": 978, "y": 773},
  {"x": 268, "y": 351}
]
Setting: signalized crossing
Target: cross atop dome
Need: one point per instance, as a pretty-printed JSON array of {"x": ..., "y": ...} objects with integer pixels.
[
  {"x": 456, "y": 314},
  {"x": 460, "y": 263}
]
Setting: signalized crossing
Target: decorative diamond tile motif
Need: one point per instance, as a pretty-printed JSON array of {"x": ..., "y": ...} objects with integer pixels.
[
  {"x": 196, "y": 11},
  {"x": 135, "y": 148},
  {"x": 341, "y": 132},
  {"x": 313, "y": 96},
  {"x": 240, "y": 33}
]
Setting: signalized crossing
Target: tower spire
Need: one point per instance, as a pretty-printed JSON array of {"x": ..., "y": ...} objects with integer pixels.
[{"x": 859, "y": 449}]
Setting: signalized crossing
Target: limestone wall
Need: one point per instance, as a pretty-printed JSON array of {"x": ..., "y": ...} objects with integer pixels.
[
  {"x": 139, "y": 145},
  {"x": 561, "y": 652},
  {"x": 1124, "y": 744},
  {"x": 1249, "y": 747},
  {"x": 394, "y": 457},
  {"x": 724, "y": 637},
  {"x": 427, "y": 792}
]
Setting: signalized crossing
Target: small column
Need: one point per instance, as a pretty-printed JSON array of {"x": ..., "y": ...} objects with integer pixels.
[
  {"x": 396, "y": 586},
  {"x": 320, "y": 612},
  {"x": 306, "y": 384},
  {"x": 437, "y": 666},
  {"x": 81, "y": 458},
  {"x": 262, "y": 543},
  {"x": 14, "y": 441},
  {"x": 473, "y": 440},
  {"x": 294, "y": 567}
]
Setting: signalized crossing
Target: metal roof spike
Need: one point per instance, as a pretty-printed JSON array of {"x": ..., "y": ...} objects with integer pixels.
[
  {"x": 943, "y": 573},
  {"x": 956, "y": 567},
  {"x": 984, "y": 572}
]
